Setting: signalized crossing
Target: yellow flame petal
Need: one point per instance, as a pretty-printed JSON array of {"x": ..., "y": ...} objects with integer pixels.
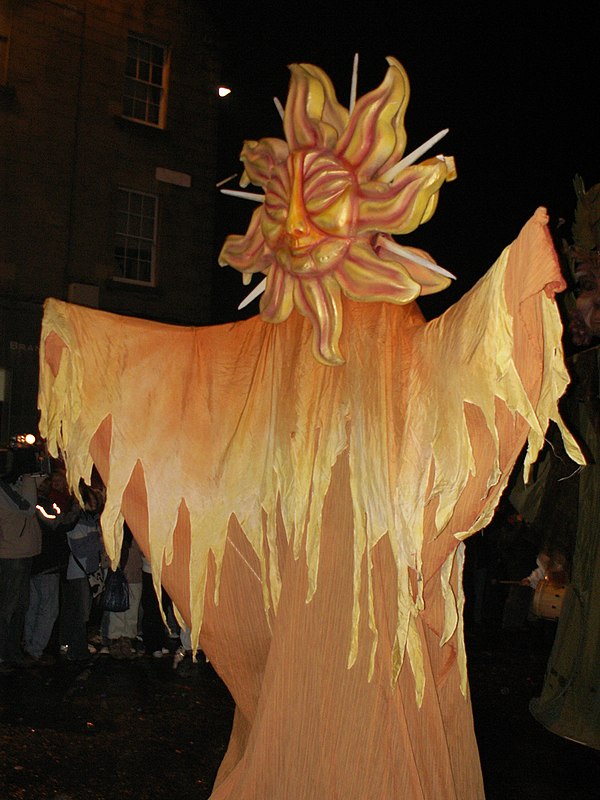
[
  {"x": 319, "y": 299},
  {"x": 313, "y": 117},
  {"x": 249, "y": 252},
  {"x": 277, "y": 302},
  {"x": 429, "y": 281},
  {"x": 259, "y": 159},
  {"x": 367, "y": 277},
  {"x": 375, "y": 137},
  {"x": 403, "y": 205}
]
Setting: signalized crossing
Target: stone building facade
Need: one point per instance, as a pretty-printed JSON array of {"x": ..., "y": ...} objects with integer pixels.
[{"x": 108, "y": 154}]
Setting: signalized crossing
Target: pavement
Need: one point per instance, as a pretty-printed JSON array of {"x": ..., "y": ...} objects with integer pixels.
[{"x": 137, "y": 728}]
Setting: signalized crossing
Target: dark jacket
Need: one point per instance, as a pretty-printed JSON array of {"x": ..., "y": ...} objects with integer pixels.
[{"x": 20, "y": 533}]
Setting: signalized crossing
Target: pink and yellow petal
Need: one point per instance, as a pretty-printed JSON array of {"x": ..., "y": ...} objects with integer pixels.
[
  {"x": 366, "y": 277},
  {"x": 260, "y": 158},
  {"x": 277, "y": 301},
  {"x": 248, "y": 252},
  {"x": 313, "y": 117},
  {"x": 404, "y": 204},
  {"x": 375, "y": 137},
  {"x": 429, "y": 280},
  {"x": 319, "y": 299}
]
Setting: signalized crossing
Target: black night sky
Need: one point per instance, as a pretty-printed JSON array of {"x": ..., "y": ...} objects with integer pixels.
[{"x": 517, "y": 84}]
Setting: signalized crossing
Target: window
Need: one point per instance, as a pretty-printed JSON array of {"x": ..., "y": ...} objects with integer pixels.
[
  {"x": 135, "y": 239},
  {"x": 3, "y": 59},
  {"x": 5, "y": 25},
  {"x": 145, "y": 93}
]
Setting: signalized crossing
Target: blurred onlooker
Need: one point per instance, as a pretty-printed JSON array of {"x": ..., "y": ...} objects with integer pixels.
[
  {"x": 517, "y": 554},
  {"x": 123, "y": 625},
  {"x": 85, "y": 544},
  {"x": 20, "y": 541},
  {"x": 551, "y": 566},
  {"x": 59, "y": 491},
  {"x": 569, "y": 703},
  {"x": 46, "y": 570},
  {"x": 154, "y": 632}
]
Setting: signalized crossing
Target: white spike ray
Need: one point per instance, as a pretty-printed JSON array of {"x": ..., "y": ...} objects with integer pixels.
[
  {"x": 353, "y": 84},
  {"x": 394, "y": 247},
  {"x": 257, "y": 198},
  {"x": 278, "y": 106},
  {"x": 412, "y": 157},
  {"x": 226, "y": 180},
  {"x": 258, "y": 290}
]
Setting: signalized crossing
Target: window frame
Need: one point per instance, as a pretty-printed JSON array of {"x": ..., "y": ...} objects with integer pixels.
[
  {"x": 137, "y": 238},
  {"x": 147, "y": 84}
]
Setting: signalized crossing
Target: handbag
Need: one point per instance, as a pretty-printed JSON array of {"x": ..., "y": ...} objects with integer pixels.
[
  {"x": 96, "y": 582},
  {"x": 96, "y": 579},
  {"x": 116, "y": 591}
]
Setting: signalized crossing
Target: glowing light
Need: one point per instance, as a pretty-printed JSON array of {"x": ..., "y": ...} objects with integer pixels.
[
  {"x": 45, "y": 513},
  {"x": 224, "y": 91},
  {"x": 29, "y": 438}
]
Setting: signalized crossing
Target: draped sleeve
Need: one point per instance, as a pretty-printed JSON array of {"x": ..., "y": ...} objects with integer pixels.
[{"x": 307, "y": 519}]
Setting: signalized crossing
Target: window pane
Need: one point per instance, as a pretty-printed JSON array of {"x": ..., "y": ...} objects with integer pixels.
[
  {"x": 134, "y": 236},
  {"x": 144, "y": 77},
  {"x": 134, "y": 225},
  {"x": 140, "y": 92},
  {"x": 158, "y": 54},
  {"x": 144, "y": 273},
  {"x": 143, "y": 52},
  {"x": 157, "y": 75},
  {"x": 129, "y": 87},
  {"x": 122, "y": 222},
  {"x": 147, "y": 229},
  {"x": 147, "y": 205},
  {"x": 135, "y": 202},
  {"x": 139, "y": 109}
]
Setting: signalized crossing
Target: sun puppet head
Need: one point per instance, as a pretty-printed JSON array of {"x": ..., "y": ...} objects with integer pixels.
[{"x": 332, "y": 200}]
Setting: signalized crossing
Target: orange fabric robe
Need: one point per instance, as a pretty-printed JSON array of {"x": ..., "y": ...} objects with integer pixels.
[{"x": 307, "y": 519}]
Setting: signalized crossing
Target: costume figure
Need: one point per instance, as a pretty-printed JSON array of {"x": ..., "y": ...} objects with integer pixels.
[
  {"x": 314, "y": 543},
  {"x": 569, "y": 703}
]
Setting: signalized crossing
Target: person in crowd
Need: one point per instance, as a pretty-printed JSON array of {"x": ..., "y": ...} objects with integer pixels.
[
  {"x": 551, "y": 566},
  {"x": 59, "y": 493},
  {"x": 183, "y": 657},
  {"x": 46, "y": 571},
  {"x": 85, "y": 544},
  {"x": 123, "y": 625},
  {"x": 517, "y": 551},
  {"x": 20, "y": 542},
  {"x": 154, "y": 632},
  {"x": 569, "y": 702}
]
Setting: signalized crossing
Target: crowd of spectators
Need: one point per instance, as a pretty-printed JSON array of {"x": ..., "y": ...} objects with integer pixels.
[{"x": 50, "y": 545}]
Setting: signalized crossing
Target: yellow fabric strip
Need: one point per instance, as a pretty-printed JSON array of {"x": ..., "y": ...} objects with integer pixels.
[{"x": 241, "y": 420}]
